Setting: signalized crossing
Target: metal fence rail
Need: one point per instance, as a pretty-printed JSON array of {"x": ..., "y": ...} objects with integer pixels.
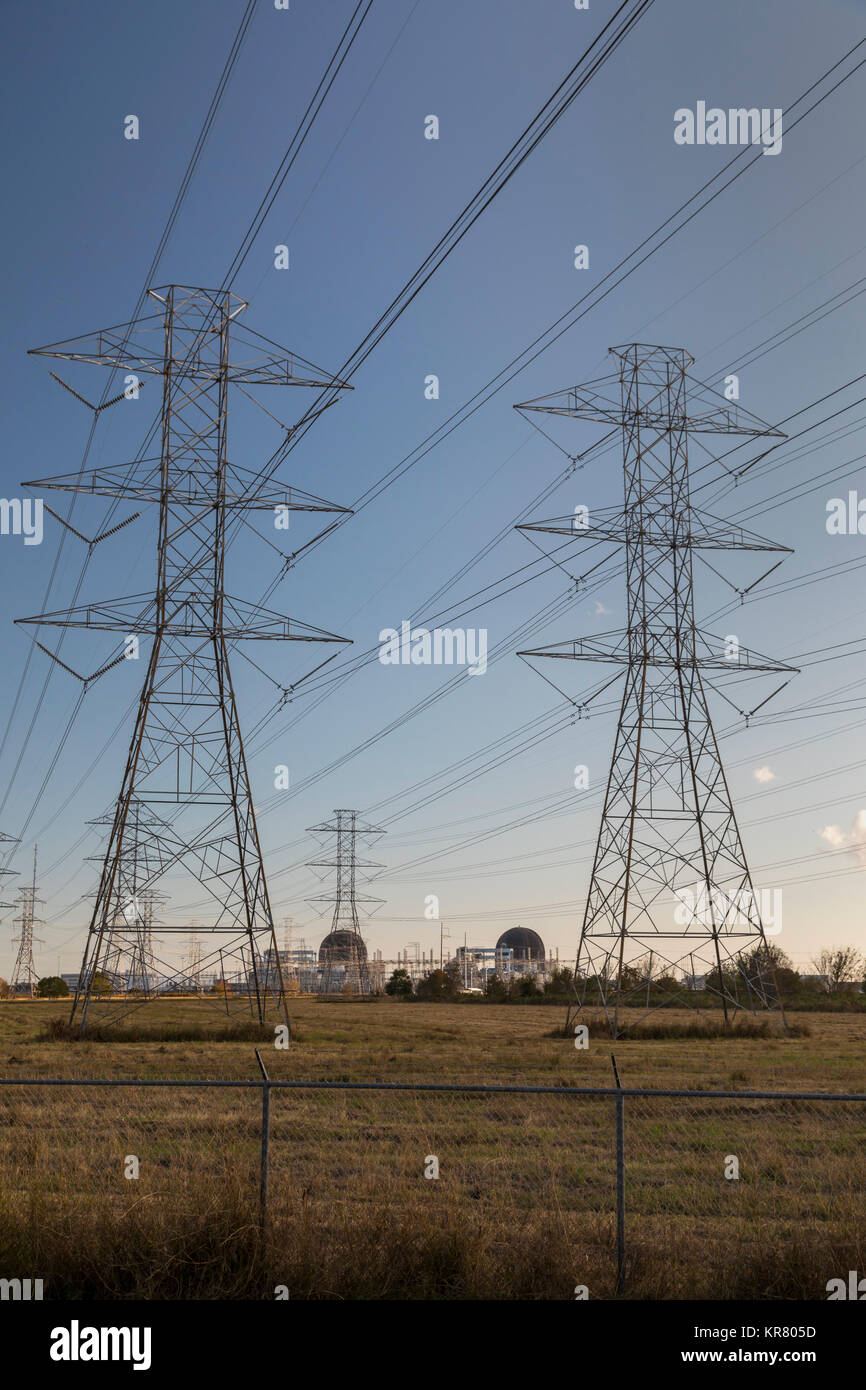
[{"x": 639, "y": 1163}]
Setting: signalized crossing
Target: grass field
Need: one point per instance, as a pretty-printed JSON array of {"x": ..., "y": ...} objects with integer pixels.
[
  {"x": 524, "y": 1204},
  {"x": 389, "y": 1041}
]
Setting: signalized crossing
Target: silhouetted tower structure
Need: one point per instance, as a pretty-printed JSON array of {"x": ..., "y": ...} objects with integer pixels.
[
  {"x": 186, "y": 755},
  {"x": 129, "y": 961},
  {"x": 671, "y": 896},
  {"x": 146, "y": 980},
  {"x": 342, "y": 954},
  {"x": 194, "y": 960},
  {"x": 7, "y": 873},
  {"x": 24, "y": 975}
]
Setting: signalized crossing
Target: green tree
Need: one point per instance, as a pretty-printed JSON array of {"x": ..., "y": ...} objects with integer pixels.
[
  {"x": 631, "y": 978},
  {"x": 454, "y": 973},
  {"x": 666, "y": 984},
  {"x": 766, "y": 962},
  {"x": 101, "y": 983},
  {"x": 52, "y": 987},
  {"x": 524, "y": 987},
  {"x": 758, "y": 966},
  {"x": 400, "y": 984},
  {"x": 437, "y": 987},
  {"x": 561, "y": 982},
  {"x": 495, "y": 990}
]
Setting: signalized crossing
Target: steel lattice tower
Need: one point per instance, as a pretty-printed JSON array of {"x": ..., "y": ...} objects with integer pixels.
[
  {"x": 129, "y": 961},
  {"x": 343, "y": 954},
  {"x": 186, "y": 755},
  {"x": 24, "y": 975},
  {"x": 668, "y": 832},
  {"x": 7, "y": 873}
]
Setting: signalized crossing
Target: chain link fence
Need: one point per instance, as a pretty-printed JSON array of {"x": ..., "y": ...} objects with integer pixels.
[{"x": 537, "y": 1191}]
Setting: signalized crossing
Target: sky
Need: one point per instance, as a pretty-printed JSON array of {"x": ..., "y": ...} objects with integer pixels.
[{"x": 763, "y": 281}]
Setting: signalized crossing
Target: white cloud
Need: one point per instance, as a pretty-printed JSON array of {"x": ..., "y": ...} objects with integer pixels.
[
  {"x": 854, "y": 839},
  {"x": 764, "y": 774},
  {"x": 858, "y": 835},
  {"x": 834, "y": 835}
]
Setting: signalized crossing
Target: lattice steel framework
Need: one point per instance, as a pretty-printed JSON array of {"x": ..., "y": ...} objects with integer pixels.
[
  {"x": 130, "y": 966},
  {"x": 671, "y": 898},
  {"x": 186, "y": 764},
  {"x": 24, "y": 974},
  {"x": 6, "y": 873},
  {"x": 343, "y": 955}
]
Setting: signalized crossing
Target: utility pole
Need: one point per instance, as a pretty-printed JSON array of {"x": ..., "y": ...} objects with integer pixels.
[
  {"x": 442, "y": 936},
  {"x": 670, "y": 878},
  {"x": 186, "y": 761}
]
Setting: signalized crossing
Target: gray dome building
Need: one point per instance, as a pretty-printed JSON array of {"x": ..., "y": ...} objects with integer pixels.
[
  {"x": 342, "y": 946},
  {"x": 526, "y": 944}
]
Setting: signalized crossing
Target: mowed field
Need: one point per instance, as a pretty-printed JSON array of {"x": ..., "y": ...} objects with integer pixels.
[{"x": 384, "y": 1194}]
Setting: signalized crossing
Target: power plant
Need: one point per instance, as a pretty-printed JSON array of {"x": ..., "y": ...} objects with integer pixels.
[{"x": 343, "y": 957}]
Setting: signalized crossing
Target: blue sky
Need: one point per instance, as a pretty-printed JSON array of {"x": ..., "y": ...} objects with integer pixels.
[{"x": 364, "y": 204}]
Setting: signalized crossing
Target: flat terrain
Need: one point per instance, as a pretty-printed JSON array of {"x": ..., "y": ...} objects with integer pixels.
[
  {"x": 390, "y": 1041},
  {"x": 382, "y": 1194}
]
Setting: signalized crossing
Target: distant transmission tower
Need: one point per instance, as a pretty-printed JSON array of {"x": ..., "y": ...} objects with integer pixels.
[
  {"x": 671, "y": 904},
  {"x": 129, "y": 961},
  {"x": 187, "y": 754},
  {"x": 342, "y": 954},
  {"x": 145, "y": 980},
  {"x": 194, "y": 960},
  {"x": 24, "y": 975}
]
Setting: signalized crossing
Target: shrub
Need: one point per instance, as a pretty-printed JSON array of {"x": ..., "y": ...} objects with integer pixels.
[
  {"x": 52, "y": 987},
  {"x": 437, "y": 987},
  {"x": 400, "y": 984}
]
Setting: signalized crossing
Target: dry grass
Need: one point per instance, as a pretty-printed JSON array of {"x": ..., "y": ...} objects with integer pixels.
[
  {"x": 247, "y": 1030},
  {"x": 216, "y": 1252},
  {"x": 389, "y": 1041},
  {"x": 664, "y": 1028},
  {"x": 523, "y": 1206}
]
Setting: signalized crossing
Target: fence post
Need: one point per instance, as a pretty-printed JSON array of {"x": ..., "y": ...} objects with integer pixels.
[
  {"x": 620, "y": 1181},
  {"x": 266, "y": 1137}
]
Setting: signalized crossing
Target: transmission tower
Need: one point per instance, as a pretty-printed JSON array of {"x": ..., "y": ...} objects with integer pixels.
[
  {"x": 194, "y": 960},
  {"x": 343, "y": 955},
  {"x": 130, "y": 964},
  {"x": 7, "y": 873},
  {"x": 671, "y": 901},
  {"x": 186, "y": 754},
  {"x": 145, "y": 981},
  {"x": 293, "y": 952},
  {"x": 24, "y": 975}
]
